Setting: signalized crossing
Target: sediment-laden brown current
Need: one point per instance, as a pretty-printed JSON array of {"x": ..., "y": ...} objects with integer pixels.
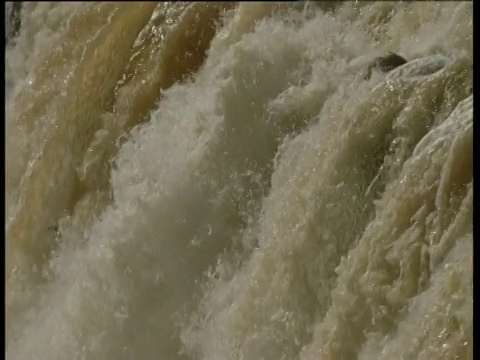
[{"x": 222, "y": 181}]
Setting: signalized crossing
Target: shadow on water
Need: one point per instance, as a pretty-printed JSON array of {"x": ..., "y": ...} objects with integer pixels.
[{"x": 13, "y": 21}]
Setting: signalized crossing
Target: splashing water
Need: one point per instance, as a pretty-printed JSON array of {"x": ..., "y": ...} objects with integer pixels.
[{"x": 218, "y": 181}]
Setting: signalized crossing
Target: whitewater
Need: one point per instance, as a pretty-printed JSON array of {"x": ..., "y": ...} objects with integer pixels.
[{"x": 215, "y": 181}]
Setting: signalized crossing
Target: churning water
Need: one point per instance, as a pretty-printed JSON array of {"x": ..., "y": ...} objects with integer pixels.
[{"x": 219, "y": 181}]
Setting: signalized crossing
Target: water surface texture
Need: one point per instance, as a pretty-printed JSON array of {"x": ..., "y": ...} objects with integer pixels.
[{"x": 221, "y": 181}]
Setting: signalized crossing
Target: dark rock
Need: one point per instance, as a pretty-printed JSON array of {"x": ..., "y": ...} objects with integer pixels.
[{"x": 385, "y": 64}]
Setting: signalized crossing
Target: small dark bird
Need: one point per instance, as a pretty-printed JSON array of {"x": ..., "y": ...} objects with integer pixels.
[
  {"x": 385, "y": 64},
  {"x": 53, "y": 228}
]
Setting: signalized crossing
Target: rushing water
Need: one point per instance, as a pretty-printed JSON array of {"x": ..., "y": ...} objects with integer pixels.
[{"x": 219, "y": 181}]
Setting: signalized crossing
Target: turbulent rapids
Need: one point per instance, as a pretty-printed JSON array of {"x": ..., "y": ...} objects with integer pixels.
[{"x": 239, "y": 180}]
